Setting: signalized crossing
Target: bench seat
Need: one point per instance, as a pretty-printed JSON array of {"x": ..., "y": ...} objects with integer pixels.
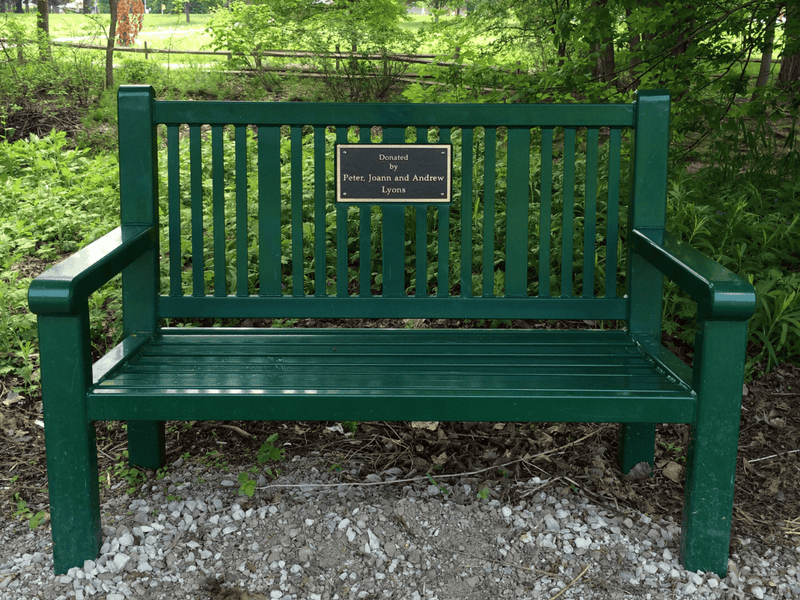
[{"x": 379, "y": 374}]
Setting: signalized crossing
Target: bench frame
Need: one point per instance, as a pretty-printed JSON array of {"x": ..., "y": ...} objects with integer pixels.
[{"x": 70, "y": 382}]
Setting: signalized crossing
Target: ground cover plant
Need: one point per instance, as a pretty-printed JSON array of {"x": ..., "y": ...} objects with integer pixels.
[{"x": 734, "y": 194}]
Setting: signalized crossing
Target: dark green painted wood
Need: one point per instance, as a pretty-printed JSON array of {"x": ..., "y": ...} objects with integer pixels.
[
  {"x": 141, "y": 279},
  {"x": 174, "y": 199},
  {"x": 298, "y": 260},
  {"x": 365, "y": 236},
  {"x": 198, "y": 228},
  {"x": 568, "y": 214},
  {"x": 364, "y": 251},
  {"x": 342, "y": 254},
  {"x": 242, "y": 213},
  {"x": 466, "y": 210},
  {"x": 590, "y": 213},
  {"x": 635, "y": 444},
  {"x": 648, "y": 209},
  {"x": 421, "y": 251},
  {"x": 147, "y": 446},
  {"x": 443, "y": 252},
  {"x": 517, "y": 208},
  {"x": 367, "y": 115},
  {"x": 72, "y": 476},
  {"x": 489, "y": 175},
  {"x": 269, "y": 211},
  {"x": 367, "y": 306},
  {"x": 381, "y": 375},
  {"x": 708, "y": 504},
  {"x": 320, "y": 258},
  {"x": 218, "y": 208},
  {"x": 612, "y": 213},
  {"x": 421, "y": 237},
  {"x": 393, "y": 228},
  {"x": 155, "y": 374},
  {"x": 138, "y": 177},
  {"x": 719, "y": 293},
  {"x": 66, "y": 287},
  {"x": 545, "y": 212}
]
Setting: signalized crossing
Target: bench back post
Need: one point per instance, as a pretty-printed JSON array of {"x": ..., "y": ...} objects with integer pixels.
[
  {"x": 648, "y": 209},
  {"x": 138, "y": 178}
]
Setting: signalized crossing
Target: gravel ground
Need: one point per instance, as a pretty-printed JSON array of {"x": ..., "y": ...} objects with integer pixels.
[{"x": 306, "y": 536}]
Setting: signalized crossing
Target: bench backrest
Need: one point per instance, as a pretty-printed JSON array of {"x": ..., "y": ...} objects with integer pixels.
[{"x": 249, "y": 225}]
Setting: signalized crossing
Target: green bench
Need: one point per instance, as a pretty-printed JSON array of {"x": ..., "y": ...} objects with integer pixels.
[{"x": 299, "y": 210}]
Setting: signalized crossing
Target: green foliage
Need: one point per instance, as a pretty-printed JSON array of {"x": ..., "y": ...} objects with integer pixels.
[
  {"x": 247, "y": 485},
  {"x": 123, "y": 470},
  {"x": 266, "y": 453},
  {"x": 433, "y": 481},
  {"x": 53, "y": 200},
  {"x": 24, "y": 513},
  {"x": 368, "y": 28}
]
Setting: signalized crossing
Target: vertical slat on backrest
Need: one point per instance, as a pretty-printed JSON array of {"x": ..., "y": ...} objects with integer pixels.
[
  {"x": 241, "y": 211},
  {"x": 466, "y": 211},
  {"x": 364, "y": 237},
  {"x": 196, "y": 187},
  {"x": 319, "y": 211},
  {"x": 341, "y": 234},
  {"x": 269, "y": 211},
  {"x": 489, "y": 175},
  {"x": 612, "y": 218},
  {"x": 297, "y": 210},
  {"x": 568, "y": 213},
  {"x": 590, "y": 213},
  {"x": 443, "y": 258},
  {"x": 517, "y": 201},
  {"x": 218, "y": 209},
  {"x": 421, "y": 246},
  {"x": 545, "y": 212},
  {"x": 393, "y": 225},
  {"x": 174, "y": 203}
]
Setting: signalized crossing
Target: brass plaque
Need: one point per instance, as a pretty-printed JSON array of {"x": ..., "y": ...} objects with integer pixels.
[{"x": 394, "y": 173}]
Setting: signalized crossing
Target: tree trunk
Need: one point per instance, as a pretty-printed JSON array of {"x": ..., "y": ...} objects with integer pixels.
[
  {"x": 87, "y": 7},
  {"x": 604, "y": 48},
  {"x": 43, "y": 25},
  {"x": 790, "y": 58},
  {"x": 766, "y": 55},
  {"x": 633, "y": 47},
  {"x": 112, "y": 36}
]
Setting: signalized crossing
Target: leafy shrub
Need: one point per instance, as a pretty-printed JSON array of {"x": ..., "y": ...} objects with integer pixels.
[{"x": 52, "y": 202}]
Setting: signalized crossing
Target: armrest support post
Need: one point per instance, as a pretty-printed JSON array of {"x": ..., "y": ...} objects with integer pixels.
[
  {"x": 70, "y": 438},
  {"x": 711, "y": 462}
]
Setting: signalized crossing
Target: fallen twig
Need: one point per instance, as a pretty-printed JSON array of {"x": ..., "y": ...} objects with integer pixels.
[{"x": 571, "y": 583}]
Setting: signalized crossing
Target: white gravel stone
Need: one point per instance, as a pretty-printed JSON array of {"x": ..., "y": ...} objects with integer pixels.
[{"x": 281, "y": 546}]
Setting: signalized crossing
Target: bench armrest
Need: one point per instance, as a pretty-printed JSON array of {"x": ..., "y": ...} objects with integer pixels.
[
  {"x": 719, "y": 293},
  {"x": 65, "y": 288}
]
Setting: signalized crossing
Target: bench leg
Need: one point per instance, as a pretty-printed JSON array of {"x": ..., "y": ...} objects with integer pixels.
[
  {"x": 637, "y": 444},
  {"x": 146, "y": 445},
  {"x": 70, "y": 441},
  {"x": 711, "y": 460}
]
